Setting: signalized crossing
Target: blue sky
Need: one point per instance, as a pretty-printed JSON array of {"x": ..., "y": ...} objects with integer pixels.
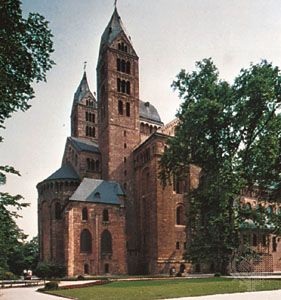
[{"x": 167, "y": 35}]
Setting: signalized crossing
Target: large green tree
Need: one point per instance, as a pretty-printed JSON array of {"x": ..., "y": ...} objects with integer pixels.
[
  {"x": 233, "y": 133},
  {"x": 25, "y": 49}
]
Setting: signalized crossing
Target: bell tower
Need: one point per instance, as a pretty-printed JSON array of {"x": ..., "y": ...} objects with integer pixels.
[{"x": 118, "y": 102}]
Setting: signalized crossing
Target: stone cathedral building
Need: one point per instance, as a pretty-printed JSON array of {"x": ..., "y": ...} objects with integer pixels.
[{"x": 104, "y": 210}]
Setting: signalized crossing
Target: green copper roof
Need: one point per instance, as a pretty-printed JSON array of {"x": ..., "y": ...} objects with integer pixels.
[
  {"x": 113, "y": 29},
  {"x": 64, "y": 172},
  {"x": 98, "y": 191},
  {"x": 81, "y": 144}
]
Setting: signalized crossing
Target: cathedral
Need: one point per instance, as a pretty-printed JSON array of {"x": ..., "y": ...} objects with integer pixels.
[{"x": 104, "y": 211}]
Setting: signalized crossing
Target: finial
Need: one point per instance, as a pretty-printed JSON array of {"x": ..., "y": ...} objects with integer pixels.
[
  {"x": 85, "y": 65},
  {"x": 115, "y": 3}
]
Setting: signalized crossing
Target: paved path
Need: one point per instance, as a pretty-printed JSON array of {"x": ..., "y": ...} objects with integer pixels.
[
  {"x": 266, "y": 295},
  {"x": 25, "y": 293}
]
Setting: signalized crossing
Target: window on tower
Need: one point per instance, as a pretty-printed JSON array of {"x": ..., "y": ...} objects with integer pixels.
[
  {"x": 120, "y": 107},
  {"x": 123, "y": 47},
  {"x": 128, "y": 109},
  {"x": 128, "y": 87},
  {"x": 128, "y": 67}
]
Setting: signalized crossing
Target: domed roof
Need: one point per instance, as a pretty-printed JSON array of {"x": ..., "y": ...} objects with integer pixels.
[{"x": 149, "y": 113}]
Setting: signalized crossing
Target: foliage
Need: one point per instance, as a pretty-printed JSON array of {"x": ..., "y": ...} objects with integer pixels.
[
  {"x": 51, "y": 285},
  {"x": 163, "y": 289},
  {"x": 45, "y": 270},
  {"x": 233, "y": 133},
  {"x": 25, "y": 50},
  {"x": 4, "y": 275},
  {"x": 24, "y": 256}
]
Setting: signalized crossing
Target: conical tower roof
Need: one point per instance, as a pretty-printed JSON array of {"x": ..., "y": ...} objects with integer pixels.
[
  {"x": 113, "y": 29},
  {"x": 83, "y": 89}
]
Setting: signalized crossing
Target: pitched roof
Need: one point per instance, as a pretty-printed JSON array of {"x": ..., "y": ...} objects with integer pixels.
[
  {"x": 83, "y": 90},
  {"x": 113, "y": 29},
  {"x": 64, "y": 172},
  {"x": 81, "y": 144},
  {"x": 98, "y": 191},
  {"x": 149, "y": 112}
]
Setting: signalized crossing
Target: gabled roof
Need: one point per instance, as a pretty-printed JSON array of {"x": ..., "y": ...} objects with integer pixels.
[
  {"x": 64, "y": 172},
  {"x": 82, "y": 144},
  {"x": 149, "y": 113},
  {"x": 83, "y": 90},
  {"x": 113, "y": 29},
  {"x": 98, "y": 191}
]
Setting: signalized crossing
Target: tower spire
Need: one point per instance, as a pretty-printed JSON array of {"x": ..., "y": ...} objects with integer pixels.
[{"x": 115, "y": 4}]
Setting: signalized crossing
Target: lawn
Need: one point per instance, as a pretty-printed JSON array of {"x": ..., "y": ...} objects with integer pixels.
[{"x": 160, "y": 289}]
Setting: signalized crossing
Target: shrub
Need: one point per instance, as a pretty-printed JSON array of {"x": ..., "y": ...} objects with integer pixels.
[
  {"x": 6, "y": 275},
  {"x": 52, "y": 285},
  {"x": 217, "y": 275},
  {"x": 44, "y": 270},
  {"x": 80, "y": 277}
]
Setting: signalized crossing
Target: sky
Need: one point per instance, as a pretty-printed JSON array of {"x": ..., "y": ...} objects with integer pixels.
[{"x": 167, "y": 35}]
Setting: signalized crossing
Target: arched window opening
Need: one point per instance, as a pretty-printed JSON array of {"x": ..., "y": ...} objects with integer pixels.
[
  {"x": 123, "y": 86},
  {"x": 105, "y": 215},
  {"x": 255, "y": 240},
  {"x": 128, "y": 89},
  {"x": 106, "y": 268},
  {"x": 118, "y": 65},
  {"x": 177, "y": 245},
  {"x": 123, "y": 66},
  {"x": 97, "y": 165},
  {"x": 88, "y": 164},
  {"x": 106, "y": 242},
  {"x": 180, "y": 215},
  {"x": 57, "y": 211},
  {"x": 87, "y": 131},
  {"x": 120, "y": 107},
  {"x": 128, "y": 67},
  {"x": 87, "y": 116},
  {"x": 84, "y": 214},
  {"x": 94, "y": 118},
  {"x": 86, "y": 241},
  {"x": 128, "y": 109},
  {"x": 274, "y": 244},
  {"x": 86, "y": 269},
  {"x": 92, "y": 165},
  {"x": 118, "y": 85}
]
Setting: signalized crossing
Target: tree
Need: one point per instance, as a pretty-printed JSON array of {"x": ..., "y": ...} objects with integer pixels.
[
  {"x": 233, "y": 133},
  {"x": 25, "y": 49}
]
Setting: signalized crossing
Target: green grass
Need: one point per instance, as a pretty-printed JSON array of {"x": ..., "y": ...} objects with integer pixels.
[{"x": 160, "y": 289}]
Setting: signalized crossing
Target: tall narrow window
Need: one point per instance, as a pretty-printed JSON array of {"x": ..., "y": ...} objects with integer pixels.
[
  {"x": 118, "y": 64},
  {"x": 84, "y": 214},
  {"x": 274, "y": 244},
  {"x": 86, "y": 241},
  {"x": 118, "y": 85},
  {"x": 105, "y": 216},
  {"x": 123, "y": 86},
  {"x": 97, "y": 166},
  {"x": 120, "y": 107},
  {"x": 94, "y": 131},
  {"x": 106, "y": 242},
  {"x": 180, "y": 215},
  {"x": 128, "y": 109},
  {"x": 88, "y": 164},
  {"x": 177, "y": 245},
  {"x": 86, "y": 116},
  {"x": 128, "y": 67},
  {"x": 87, "y": 131},
  {"x": 128, "y": 89},
  {"x": 123, "y": 66},
  {"x": 57, "y": 211}
]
